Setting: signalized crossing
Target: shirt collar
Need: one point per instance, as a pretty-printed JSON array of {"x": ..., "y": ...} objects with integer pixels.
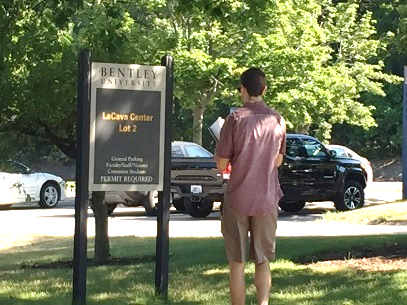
[{"x": 252, "y": 104}]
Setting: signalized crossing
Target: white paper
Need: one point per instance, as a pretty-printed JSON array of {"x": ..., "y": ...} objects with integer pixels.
[{"x": 215, "y": 128}]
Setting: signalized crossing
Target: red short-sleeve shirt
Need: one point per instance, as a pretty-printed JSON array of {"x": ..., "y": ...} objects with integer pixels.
[{"x": 252, "y": 137}]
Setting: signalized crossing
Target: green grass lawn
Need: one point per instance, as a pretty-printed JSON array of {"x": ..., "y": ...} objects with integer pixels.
[{"x": 198, "y": 274}]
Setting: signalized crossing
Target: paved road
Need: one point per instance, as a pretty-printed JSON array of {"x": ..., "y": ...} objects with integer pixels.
[{"x": 25, "y": 222}]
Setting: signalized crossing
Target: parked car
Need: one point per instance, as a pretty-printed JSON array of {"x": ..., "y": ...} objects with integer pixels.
[
  {"x": 343, "y": 151},
  {"x": 131, "y": 199},
  {"x": 19, "y": 183},
  {"x": 312, "y": 172},
  {"x": 195, "y": 183}
]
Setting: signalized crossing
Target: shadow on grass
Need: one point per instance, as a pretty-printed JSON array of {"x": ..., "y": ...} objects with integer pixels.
[{"x": 198, "y": 274}]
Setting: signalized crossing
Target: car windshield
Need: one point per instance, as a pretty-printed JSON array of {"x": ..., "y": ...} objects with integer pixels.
[
  {"x": 14, "y": 168},
  {"x": 194, "y": 151},
  {"x": 189, "y": 150},
  {"x": 340, "y": 152},
  {"x": 176, "y": 152}
]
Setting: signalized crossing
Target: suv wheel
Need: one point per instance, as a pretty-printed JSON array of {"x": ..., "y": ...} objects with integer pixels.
[
  {"x": 149, "y": 205},
  {"x": 110, "y": 208},
  {"x": 291, "y": 206},
  {"x": 144, "y": 198},
  {"x": 179, "y": 204},
  {"x": 198, "y": 209},
  {"x": 353, "y": 197}
]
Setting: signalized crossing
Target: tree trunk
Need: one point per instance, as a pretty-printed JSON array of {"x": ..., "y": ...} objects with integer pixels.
[
  {"x": 197, "y": 113},
  {"x": 102, "y": 246},
  {"x": 303, "y": 129}
]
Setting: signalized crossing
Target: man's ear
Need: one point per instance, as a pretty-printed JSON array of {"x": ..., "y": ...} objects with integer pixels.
[{"x": 264, "y": 90}]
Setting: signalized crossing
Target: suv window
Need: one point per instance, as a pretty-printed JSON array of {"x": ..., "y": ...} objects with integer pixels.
[
  {"x": 313, "y": 148},
  {"x": 294, "y": 149}
]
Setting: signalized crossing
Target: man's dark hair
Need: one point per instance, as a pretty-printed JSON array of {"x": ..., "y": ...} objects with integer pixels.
[{"x": 254, "y": 80}]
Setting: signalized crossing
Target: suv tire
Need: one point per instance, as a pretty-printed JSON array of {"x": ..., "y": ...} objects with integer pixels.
[
  {"x": 179, "y": 204},
  {"x": 353, "y": 197},
  {"x": 198, "y": 209},
  {"x": 110, "y": 208},
  {"x": 291, "y": 206},
  {"x": 145, "y": 199},
  {"x": 149, "y": 205}
]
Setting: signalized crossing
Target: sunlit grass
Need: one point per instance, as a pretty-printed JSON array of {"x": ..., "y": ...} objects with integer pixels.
[
  {"x": 385, "y": 213},
  {"x": 198, "y": 274}
]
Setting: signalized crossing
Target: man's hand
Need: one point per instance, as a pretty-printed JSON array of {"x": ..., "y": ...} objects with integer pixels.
[
  {"x": 221, "y": 163},
  {"x": 279, "y": 160}
]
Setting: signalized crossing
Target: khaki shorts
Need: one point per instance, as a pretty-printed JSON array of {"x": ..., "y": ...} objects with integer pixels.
[{"x": 235, "y": 228}]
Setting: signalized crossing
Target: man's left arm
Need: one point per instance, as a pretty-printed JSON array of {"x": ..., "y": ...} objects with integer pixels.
[
  {"x": 283, "y": 145},
  {"x": 224, "y": 147},
  {"x": 279, "y": 160}
]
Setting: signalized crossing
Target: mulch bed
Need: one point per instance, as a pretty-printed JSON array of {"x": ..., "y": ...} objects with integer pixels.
[
  {"x": 393, "y": 257},
  {"x": 119, "y": 261},
  {"x": 364, "y": 264}
]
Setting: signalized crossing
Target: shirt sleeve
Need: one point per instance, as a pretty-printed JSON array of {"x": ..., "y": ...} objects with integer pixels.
[{"x": 224, "y": 148}]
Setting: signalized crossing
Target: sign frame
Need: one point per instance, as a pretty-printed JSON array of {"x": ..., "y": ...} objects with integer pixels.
[
  {"x": 404, "y": 138},
  {"x": 82, "y": 179},
  {"x": 134, "y": 77}
]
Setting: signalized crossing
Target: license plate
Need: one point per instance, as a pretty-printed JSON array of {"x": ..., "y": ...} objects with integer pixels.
[{"x": 196, "y": 189}]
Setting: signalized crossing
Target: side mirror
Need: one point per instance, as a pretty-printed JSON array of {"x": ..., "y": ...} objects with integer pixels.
[{"x": 332, "y": 153}]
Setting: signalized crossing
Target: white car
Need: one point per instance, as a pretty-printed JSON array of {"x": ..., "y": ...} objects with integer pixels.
[
  {"x": 18, "y": 183},
  {"x": 342, "y": 151}
]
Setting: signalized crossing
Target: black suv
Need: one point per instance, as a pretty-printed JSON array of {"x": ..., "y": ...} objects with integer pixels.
[
  {"x": 195, "y": 180},
  {"x": 310, "y": 172}
]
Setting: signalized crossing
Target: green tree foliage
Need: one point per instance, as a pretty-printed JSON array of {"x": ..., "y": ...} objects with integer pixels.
[
  {"x": 319, "y": 60},
  {"x": 385, "y": 138},
  {"x": 204, "y": 63},
  {"x": 322, "y": 58},
  {"x": 37, "y": 72}
]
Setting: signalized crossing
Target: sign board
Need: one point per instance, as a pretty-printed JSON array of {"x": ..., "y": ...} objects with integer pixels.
[{"x": 127, "y": 124}]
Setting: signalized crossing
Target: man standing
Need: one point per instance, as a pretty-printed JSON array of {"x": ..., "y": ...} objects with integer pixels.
[{"x": 252, "y": 139}]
